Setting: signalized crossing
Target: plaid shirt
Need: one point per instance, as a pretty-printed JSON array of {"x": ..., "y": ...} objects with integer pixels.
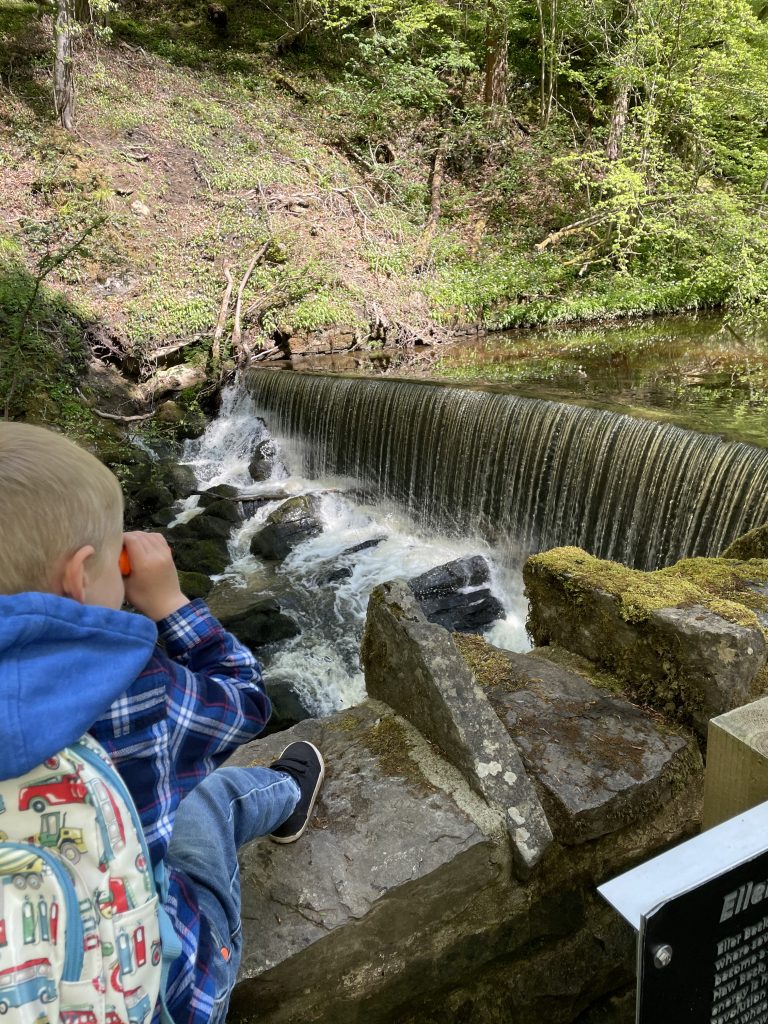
[{"x": 193, "y": 704}]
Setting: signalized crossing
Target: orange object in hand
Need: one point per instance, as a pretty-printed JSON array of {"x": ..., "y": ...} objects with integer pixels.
[{"x": 125, "y": 563}]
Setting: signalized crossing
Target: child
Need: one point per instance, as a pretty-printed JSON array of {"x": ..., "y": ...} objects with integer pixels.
[{"x": 71, "y": 661}]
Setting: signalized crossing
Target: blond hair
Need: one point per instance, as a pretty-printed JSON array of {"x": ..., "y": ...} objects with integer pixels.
[{"x": 54, "y": 498}]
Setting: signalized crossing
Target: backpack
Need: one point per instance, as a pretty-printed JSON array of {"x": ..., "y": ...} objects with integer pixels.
[{"x": 80, "y": 921}]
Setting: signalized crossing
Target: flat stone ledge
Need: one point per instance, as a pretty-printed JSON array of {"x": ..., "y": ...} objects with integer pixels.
[{"x": 389, "y": 859}]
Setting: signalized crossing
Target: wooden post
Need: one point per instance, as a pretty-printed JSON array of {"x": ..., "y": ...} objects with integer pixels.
[{"x": 736, "y": 776}]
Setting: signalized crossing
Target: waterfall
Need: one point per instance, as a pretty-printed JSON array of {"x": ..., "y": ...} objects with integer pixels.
[{"x": 524, "y": 473}]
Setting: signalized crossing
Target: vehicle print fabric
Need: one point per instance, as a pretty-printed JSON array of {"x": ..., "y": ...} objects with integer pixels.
[{"x": 79, "y": 931}]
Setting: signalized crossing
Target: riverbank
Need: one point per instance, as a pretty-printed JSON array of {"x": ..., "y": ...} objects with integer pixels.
[{"x": 236, "y": 159}]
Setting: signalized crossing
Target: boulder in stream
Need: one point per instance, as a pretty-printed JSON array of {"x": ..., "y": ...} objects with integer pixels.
[
  {"x": 262, "y": 622},
  {"x": 264, "y": 461},
  {"x": 457, "y": 595},
  {"x": 196, "y": 554},
  {"x": 294, "y": 521}
]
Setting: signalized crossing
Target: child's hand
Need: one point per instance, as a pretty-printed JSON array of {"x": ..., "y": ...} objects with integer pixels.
[{"x": 153, "y": 585}]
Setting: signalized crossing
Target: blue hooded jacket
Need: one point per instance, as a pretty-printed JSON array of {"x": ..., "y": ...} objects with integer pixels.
[{"x": 62, "y": 664}]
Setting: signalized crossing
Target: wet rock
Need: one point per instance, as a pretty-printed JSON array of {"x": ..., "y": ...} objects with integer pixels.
[
  {"x": 224, "y": 509},
  {"x": 180, "y": 480},
  {"x": 153, "y": 497},
  {"x": 262, "y": 622},
  {"x": 601, "y": 761},
  {"x": 294, "y": 521},
  {"x": 212, "y": 494},
  {"x": 195, "y": 584},
  {"x": 162, "y": 517},
  {"x": 196, "y": 555},
  {"x": 288, "y": 708},
  {"x": 414, "y": 666},
  {"x": 203, "y": 526},
  {"x": 343, "y": 572},
  {"x": 456, "y": 595},
  {"x": 265, "y": 461}
]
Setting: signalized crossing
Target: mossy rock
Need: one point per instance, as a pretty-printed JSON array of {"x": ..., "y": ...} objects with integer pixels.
[
  {"x": 750, "y": 545},
  {"x": 195, "y": 584},
  {"x": 202, "y": 556},
  {"x": 203, "y": 526},
  {"x": 688, "y": 639},
  {"x": 180, "y": 480},
  {"x": 212, "y": 494},
  {"x": 228, "y": 511},
  {"x": 727, "y": 587},
  {"x": 153, "y": 497}
]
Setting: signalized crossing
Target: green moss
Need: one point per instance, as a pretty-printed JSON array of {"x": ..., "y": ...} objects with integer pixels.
[
  {"x": 721, "y": 585},
  {"x": 638, "y": 593},
  {"x": 387, "y": 741},
  {"x": 489, "y": 666},
  {"x": 750, "y": 545}
]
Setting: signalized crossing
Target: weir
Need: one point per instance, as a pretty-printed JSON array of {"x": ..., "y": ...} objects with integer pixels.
[{"x": 524, "y": 473}]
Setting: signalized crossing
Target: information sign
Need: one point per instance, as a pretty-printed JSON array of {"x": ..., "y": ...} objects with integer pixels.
[{"x": 701, "y": 913}]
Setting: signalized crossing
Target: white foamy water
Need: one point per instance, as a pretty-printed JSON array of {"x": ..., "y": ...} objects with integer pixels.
[{"x": 322, "y": 664}]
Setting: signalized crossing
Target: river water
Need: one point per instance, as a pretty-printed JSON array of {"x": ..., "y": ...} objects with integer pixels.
[
  {"x": 322, "y": 664},
  {"x": 529, "y": 447}
]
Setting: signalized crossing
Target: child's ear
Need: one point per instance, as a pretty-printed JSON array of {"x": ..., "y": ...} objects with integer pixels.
[{"x": 73, "y": 575}]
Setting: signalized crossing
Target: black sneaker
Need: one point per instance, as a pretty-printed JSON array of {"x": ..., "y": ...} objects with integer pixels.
[{"x": 304, "y": 763}]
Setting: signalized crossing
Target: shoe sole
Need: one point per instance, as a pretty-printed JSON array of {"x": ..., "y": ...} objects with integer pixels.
[{"x": 297, "y": 835}]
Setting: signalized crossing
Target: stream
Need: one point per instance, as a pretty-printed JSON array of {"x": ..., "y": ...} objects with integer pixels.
[{"x": 322, "y": 663}]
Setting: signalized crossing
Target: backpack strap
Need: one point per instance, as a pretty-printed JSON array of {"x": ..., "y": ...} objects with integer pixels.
[{"x": 169, "y": 940}]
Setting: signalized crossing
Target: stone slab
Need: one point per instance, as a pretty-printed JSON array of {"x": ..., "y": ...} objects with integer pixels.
[
  {"x": 603, "y": 763},
  {"x": 389, "y": 859},
  {"x": 415, "y": 667}
]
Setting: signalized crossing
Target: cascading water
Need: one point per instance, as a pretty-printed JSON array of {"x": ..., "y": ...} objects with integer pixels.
[
  {"x": 523, "y": 473},
  {"x": 322, "y": 664}
]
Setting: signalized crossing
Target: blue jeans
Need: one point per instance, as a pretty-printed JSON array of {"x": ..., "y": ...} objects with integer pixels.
[{"x": 229, "y": 808}]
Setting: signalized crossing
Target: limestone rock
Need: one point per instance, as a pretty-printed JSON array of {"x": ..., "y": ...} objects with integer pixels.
[
  {"x": 688, "y": 658},
  {"x": 262, "y": 622},
  {"x": 601, "y": 761},
  {"x": 390, "y": 876},
  {"x": 456, "y": 595},
  {"x": 294, "y": 521},
  {"x": 415, "y": 667}
]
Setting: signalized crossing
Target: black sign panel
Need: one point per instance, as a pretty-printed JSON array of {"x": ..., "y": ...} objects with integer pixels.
[{"x": 703, "y": 956}]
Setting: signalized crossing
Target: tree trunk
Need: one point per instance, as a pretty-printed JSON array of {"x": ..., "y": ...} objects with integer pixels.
[
  {"x": 82, "y": 10},
  {"x": 63, "y": 67},
  {"x": 618, "y": 122},
  {"x": 496, "y": 63}
]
